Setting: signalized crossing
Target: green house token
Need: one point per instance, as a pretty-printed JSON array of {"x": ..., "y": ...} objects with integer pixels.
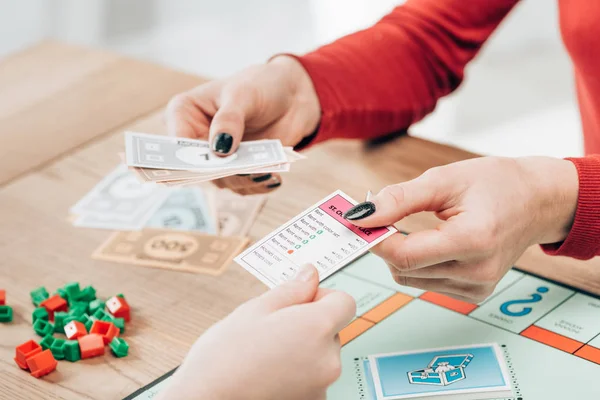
[
  {"x": 95, "y": 305},
  {"x": 119, "y": 323},
  {"x": 59, "y": 321},
  {"x": 83, "y": 318},
  {"x": 62, "y": 293},
  {"x": 102, "y": 315},
  {"x": 71, "y": 350},
  {"x": 87, "y": 294},
  {"x": 58, "y": 348},
  {"x": 41, "y": 291},
  {"x": 46, "y": 342},
  {"x": 39, "y": 313},
  {"x": 72, "y": 290},
  {"x": 119, "y": 347},
  {"x": 78, "y": 308},
  {"x": 43, "y": 327},
  {"x": 6, "y": 313},
  {"x": 38, "y": 295},
  {"x": 87, "y": 321}
]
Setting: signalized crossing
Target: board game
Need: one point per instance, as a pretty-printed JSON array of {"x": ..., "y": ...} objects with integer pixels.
[{"x": 532, "y": 339}]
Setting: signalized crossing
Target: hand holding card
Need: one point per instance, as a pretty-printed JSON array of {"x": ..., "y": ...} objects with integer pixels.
[
  {"x": 319, "y": 236},
  {"x": 254, "y": 344}
]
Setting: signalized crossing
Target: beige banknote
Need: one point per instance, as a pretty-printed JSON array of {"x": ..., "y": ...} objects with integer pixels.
[
  {"x": 237, "y": 213},
  {"x": 168, "y": 249}
]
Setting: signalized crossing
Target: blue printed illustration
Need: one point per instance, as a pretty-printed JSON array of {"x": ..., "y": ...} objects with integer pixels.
[
  {"x": 445, "y": 370},
  {"x": 535, "y": 297},
  {"x": 442, "y": 370}
]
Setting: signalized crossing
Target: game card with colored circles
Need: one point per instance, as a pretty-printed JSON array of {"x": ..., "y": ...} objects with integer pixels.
[{"x": 320, "y": 236}]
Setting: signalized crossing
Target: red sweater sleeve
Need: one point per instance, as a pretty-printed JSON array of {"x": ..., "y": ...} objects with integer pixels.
[
  {"x": 583, "y": 241},
  {"x": 385, "y": 78}
]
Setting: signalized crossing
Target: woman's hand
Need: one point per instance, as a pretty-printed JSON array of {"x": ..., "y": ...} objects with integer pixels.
[
  {"x": 281, "y": 345},
  {"x": 276, "y": 100},
  {"x": 492, "y": 210}
]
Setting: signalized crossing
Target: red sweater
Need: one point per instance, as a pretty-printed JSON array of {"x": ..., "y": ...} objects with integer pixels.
[{"x": 387, "y": 77}]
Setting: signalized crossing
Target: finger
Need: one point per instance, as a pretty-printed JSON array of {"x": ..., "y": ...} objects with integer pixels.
[
  {"x": 228, "y": 124},
  {"x": 267, "y": 183},
  {"x": 322, "y": 292},
  {"x": 336, "y": 308},
  {"x": 478, "y": 273},
  {"x": 445, "y": 270},
  {"x": 220, "y": 183},
  {"x": 421, "y": 249},
  {"x": 188, "y": 114},
  {"x": 397, "y": 201},
  {"x": 239, "y": 182},
  {"x": 337, "y": 341},
  {"x": 449, "y": 286},
  {"x": 457, "y": 297},
  {"x": 299, "y": 290},
  {"x": 250, "y": 184},
  {"x": 256, "y": 180}
]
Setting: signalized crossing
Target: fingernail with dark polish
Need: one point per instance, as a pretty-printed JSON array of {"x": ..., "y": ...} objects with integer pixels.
[
  {"x": 222, "y": 143},
  {"x": 360, "y": 211},
  {"x": 262, "y": 178},
  {"x": 274, "y": 185},
  {"x": 243, "y": 174}
]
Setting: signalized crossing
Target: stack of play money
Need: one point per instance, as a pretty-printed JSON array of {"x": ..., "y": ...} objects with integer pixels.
[{"x": 173, "y": 161}]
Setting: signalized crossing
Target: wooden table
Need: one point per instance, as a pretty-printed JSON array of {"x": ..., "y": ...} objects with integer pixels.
[{"x": 62, "y": 113}]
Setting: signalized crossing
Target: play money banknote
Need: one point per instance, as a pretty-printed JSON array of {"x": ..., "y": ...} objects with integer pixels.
[
  {"x": 168, "y": 249},
  {"x": 173, "y": 153},
  {"x": 120, "y": 196}
]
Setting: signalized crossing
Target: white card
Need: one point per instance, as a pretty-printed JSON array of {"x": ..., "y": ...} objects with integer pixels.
[
  {"x": 319, "y": 236},
  {"x": 459, "y": 372},
  {"x": 166, "y": 152}
]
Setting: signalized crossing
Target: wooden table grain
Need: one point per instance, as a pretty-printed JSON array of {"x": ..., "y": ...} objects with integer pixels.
[{"x": 63, "y": 110}]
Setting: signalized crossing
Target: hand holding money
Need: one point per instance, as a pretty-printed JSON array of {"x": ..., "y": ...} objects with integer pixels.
[
  {"x": 274, "y": 100},
  {"x": 180, "y": 162}
]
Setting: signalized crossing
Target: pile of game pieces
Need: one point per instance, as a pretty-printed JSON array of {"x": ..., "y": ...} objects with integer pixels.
[
  {"x": 87, "y": 323},
  {"x": 215, "y": 221},
  {"x": 6, "y": 311},
  {"x": 180, "y": 162}
]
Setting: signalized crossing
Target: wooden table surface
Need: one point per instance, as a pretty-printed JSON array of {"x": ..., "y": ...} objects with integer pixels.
[{"x": 63, "y": 110}]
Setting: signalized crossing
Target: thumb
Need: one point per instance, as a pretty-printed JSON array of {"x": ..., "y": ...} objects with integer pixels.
[
  {"x": 395, "y": 202},
  {"x": 228, "y": 123},
  {"x": 301, "y": 289}
]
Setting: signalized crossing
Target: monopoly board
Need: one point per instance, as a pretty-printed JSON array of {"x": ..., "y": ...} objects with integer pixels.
[{"x": 543, "y": 339}]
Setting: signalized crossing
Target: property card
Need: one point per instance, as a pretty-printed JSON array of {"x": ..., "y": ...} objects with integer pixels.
[
  {"x": 166, "y": 152},
  {"x": 458, "y": 372},
  {"x": 319, "y": 236},
  {"x": 168, "y": 249}
]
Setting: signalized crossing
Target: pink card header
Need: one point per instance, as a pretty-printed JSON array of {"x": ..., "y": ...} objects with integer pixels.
[{"x": 337, "y": 206}]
